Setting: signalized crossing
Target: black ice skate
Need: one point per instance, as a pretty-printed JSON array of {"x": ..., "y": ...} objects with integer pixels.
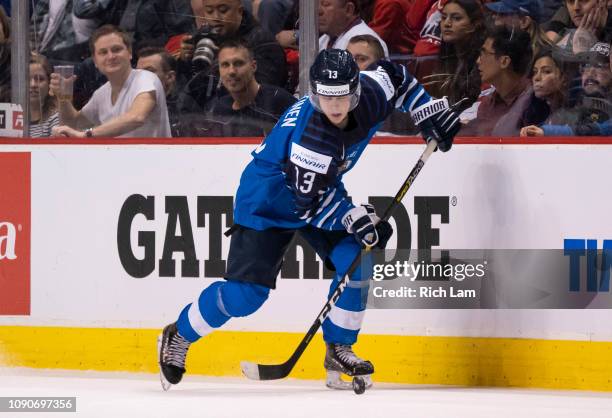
[
  {"x": 172, "y": 351},
  {"x": 340, "y": 359}
]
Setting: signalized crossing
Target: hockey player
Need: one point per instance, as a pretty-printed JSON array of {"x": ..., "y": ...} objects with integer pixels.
[{"x": 292, "y": 185}]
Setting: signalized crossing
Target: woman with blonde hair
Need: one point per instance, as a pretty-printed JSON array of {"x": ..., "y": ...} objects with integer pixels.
[{"x": 43, "y": 106}]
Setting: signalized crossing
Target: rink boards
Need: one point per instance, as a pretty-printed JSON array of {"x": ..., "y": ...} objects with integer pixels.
[{"x": 87, "y": 282}]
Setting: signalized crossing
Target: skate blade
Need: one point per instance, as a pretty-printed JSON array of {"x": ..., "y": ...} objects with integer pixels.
[
  {"x": 334, "y": 381},
  {"x": 368, "y": 381},
  {"x": 162, "y": 379}
]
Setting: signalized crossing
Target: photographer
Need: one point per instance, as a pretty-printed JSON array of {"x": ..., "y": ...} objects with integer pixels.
[{"x": 217, "y": 21}]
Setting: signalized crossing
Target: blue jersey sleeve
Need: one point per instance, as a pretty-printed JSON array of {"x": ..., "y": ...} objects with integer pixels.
[{"x": 392, "y": 87}]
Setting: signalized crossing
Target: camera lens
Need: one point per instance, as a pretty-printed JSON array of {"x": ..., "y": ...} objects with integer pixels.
[{"x": 204, "y": 53}]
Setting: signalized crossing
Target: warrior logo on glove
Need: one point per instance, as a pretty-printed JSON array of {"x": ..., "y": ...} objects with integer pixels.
[{"x": 367, "y": 227}]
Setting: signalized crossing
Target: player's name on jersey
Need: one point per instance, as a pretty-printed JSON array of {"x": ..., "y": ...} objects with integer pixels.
[{"x": 292, "y": 114}]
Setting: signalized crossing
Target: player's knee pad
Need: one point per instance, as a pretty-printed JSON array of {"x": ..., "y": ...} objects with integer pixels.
[{"x": 241, "y": 298}]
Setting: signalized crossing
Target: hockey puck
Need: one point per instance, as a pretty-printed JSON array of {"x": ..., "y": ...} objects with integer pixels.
[{"x": 359, "y": 385}]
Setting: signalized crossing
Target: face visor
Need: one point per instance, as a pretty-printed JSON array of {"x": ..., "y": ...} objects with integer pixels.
[{"x": 334, "y": 91}]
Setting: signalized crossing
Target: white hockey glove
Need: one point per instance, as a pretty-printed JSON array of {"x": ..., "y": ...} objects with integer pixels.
[{"x": 367, "y": 227}]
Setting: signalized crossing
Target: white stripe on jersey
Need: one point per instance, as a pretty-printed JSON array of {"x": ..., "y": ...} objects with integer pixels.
[
  {"x": 416, "y": 99},
  {"x": 400, "y": 100},
  {"x": 381, "y": 78},
  {"x": 332, "y": 210},
  {"x": 326, "y": 202}
]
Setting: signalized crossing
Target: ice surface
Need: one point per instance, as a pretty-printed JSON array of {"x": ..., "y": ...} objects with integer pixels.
[{"x": 140, "y": 395}]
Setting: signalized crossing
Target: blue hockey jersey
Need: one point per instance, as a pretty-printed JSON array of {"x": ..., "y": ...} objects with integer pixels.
[{"x": 295, "y": 177}]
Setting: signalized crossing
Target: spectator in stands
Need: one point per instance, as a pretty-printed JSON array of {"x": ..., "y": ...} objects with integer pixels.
[
  {"x": 288, "y": 38},
  {"x": 5, "y": 57},
  {"x": 150, "y": 22},
  {"x": 367, "y": 10},
  {"x": 159, "y": 20},
  {"x": 415, "y": 20},
  {"x": 339, "y": 21},
  {"x": 120, "y": 13},
  {"x": 579, "y": 24},
  {"x": 272, "y": 14},
  {"x": 158, "y": 61},
  {"x": 223, "y": 20},
  {"x": 366, "y": 50},
  {"x": 605, "y": 128},
  {"x": 504, "y": 60},
  {"x": 591, "y": 116},
  {"x": 131, "y": 104},
  {"x": 463, "y": 33},
  {"x": 549, "y": 8},
  {"x": 99, "y": 11},
  {"x": 227, "y": 19},
  {"x": 524, "y": 15},
  {"x": 596, "y": 77},
  {"x": 250, "y": 108},
  {"x": 430, "y": 35},
  {"x": 43, "y": 107},
  {"x": 550, "y": 91},
  {"x": 390, "y": 22},
  {"x": 289, "y": 35},
  {"x": 57, "y": 33}
]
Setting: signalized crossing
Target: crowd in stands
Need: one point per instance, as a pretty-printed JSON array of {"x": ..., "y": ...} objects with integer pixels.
[
  {"x": 230, "y": 67},
  {"x": 5, "y": 57}
]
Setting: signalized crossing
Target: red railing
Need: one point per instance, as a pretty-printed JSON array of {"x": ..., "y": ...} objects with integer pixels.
[{"x": 570, "y": 140}]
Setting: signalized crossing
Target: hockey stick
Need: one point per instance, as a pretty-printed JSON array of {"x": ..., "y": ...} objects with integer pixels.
[{"x": 278, "y": 371}]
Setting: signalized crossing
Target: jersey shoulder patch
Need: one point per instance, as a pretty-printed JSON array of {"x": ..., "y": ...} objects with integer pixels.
[
  {"x": 309, "y": 159},
  {"x": 380, "y": 77}
]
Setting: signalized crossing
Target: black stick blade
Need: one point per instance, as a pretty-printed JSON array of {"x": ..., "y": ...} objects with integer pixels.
[{"x": 256, "y": 371}]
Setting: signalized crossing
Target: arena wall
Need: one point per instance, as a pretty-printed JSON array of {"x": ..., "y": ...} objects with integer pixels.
[{"x": 89, "y": 285}]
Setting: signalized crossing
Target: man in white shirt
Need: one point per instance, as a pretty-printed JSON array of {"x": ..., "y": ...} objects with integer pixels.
[
  {"x": 131, "y": 104},
  {"x": 339, "y": 21}
]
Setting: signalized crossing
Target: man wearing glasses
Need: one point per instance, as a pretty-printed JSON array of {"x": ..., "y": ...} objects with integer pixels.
[{"x": 504, "y": 61}]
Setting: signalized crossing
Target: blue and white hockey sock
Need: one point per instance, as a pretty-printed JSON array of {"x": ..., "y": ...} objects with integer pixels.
[
  {"x": 217, "y": 304},
  {"x": 344, "y": 320}
]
